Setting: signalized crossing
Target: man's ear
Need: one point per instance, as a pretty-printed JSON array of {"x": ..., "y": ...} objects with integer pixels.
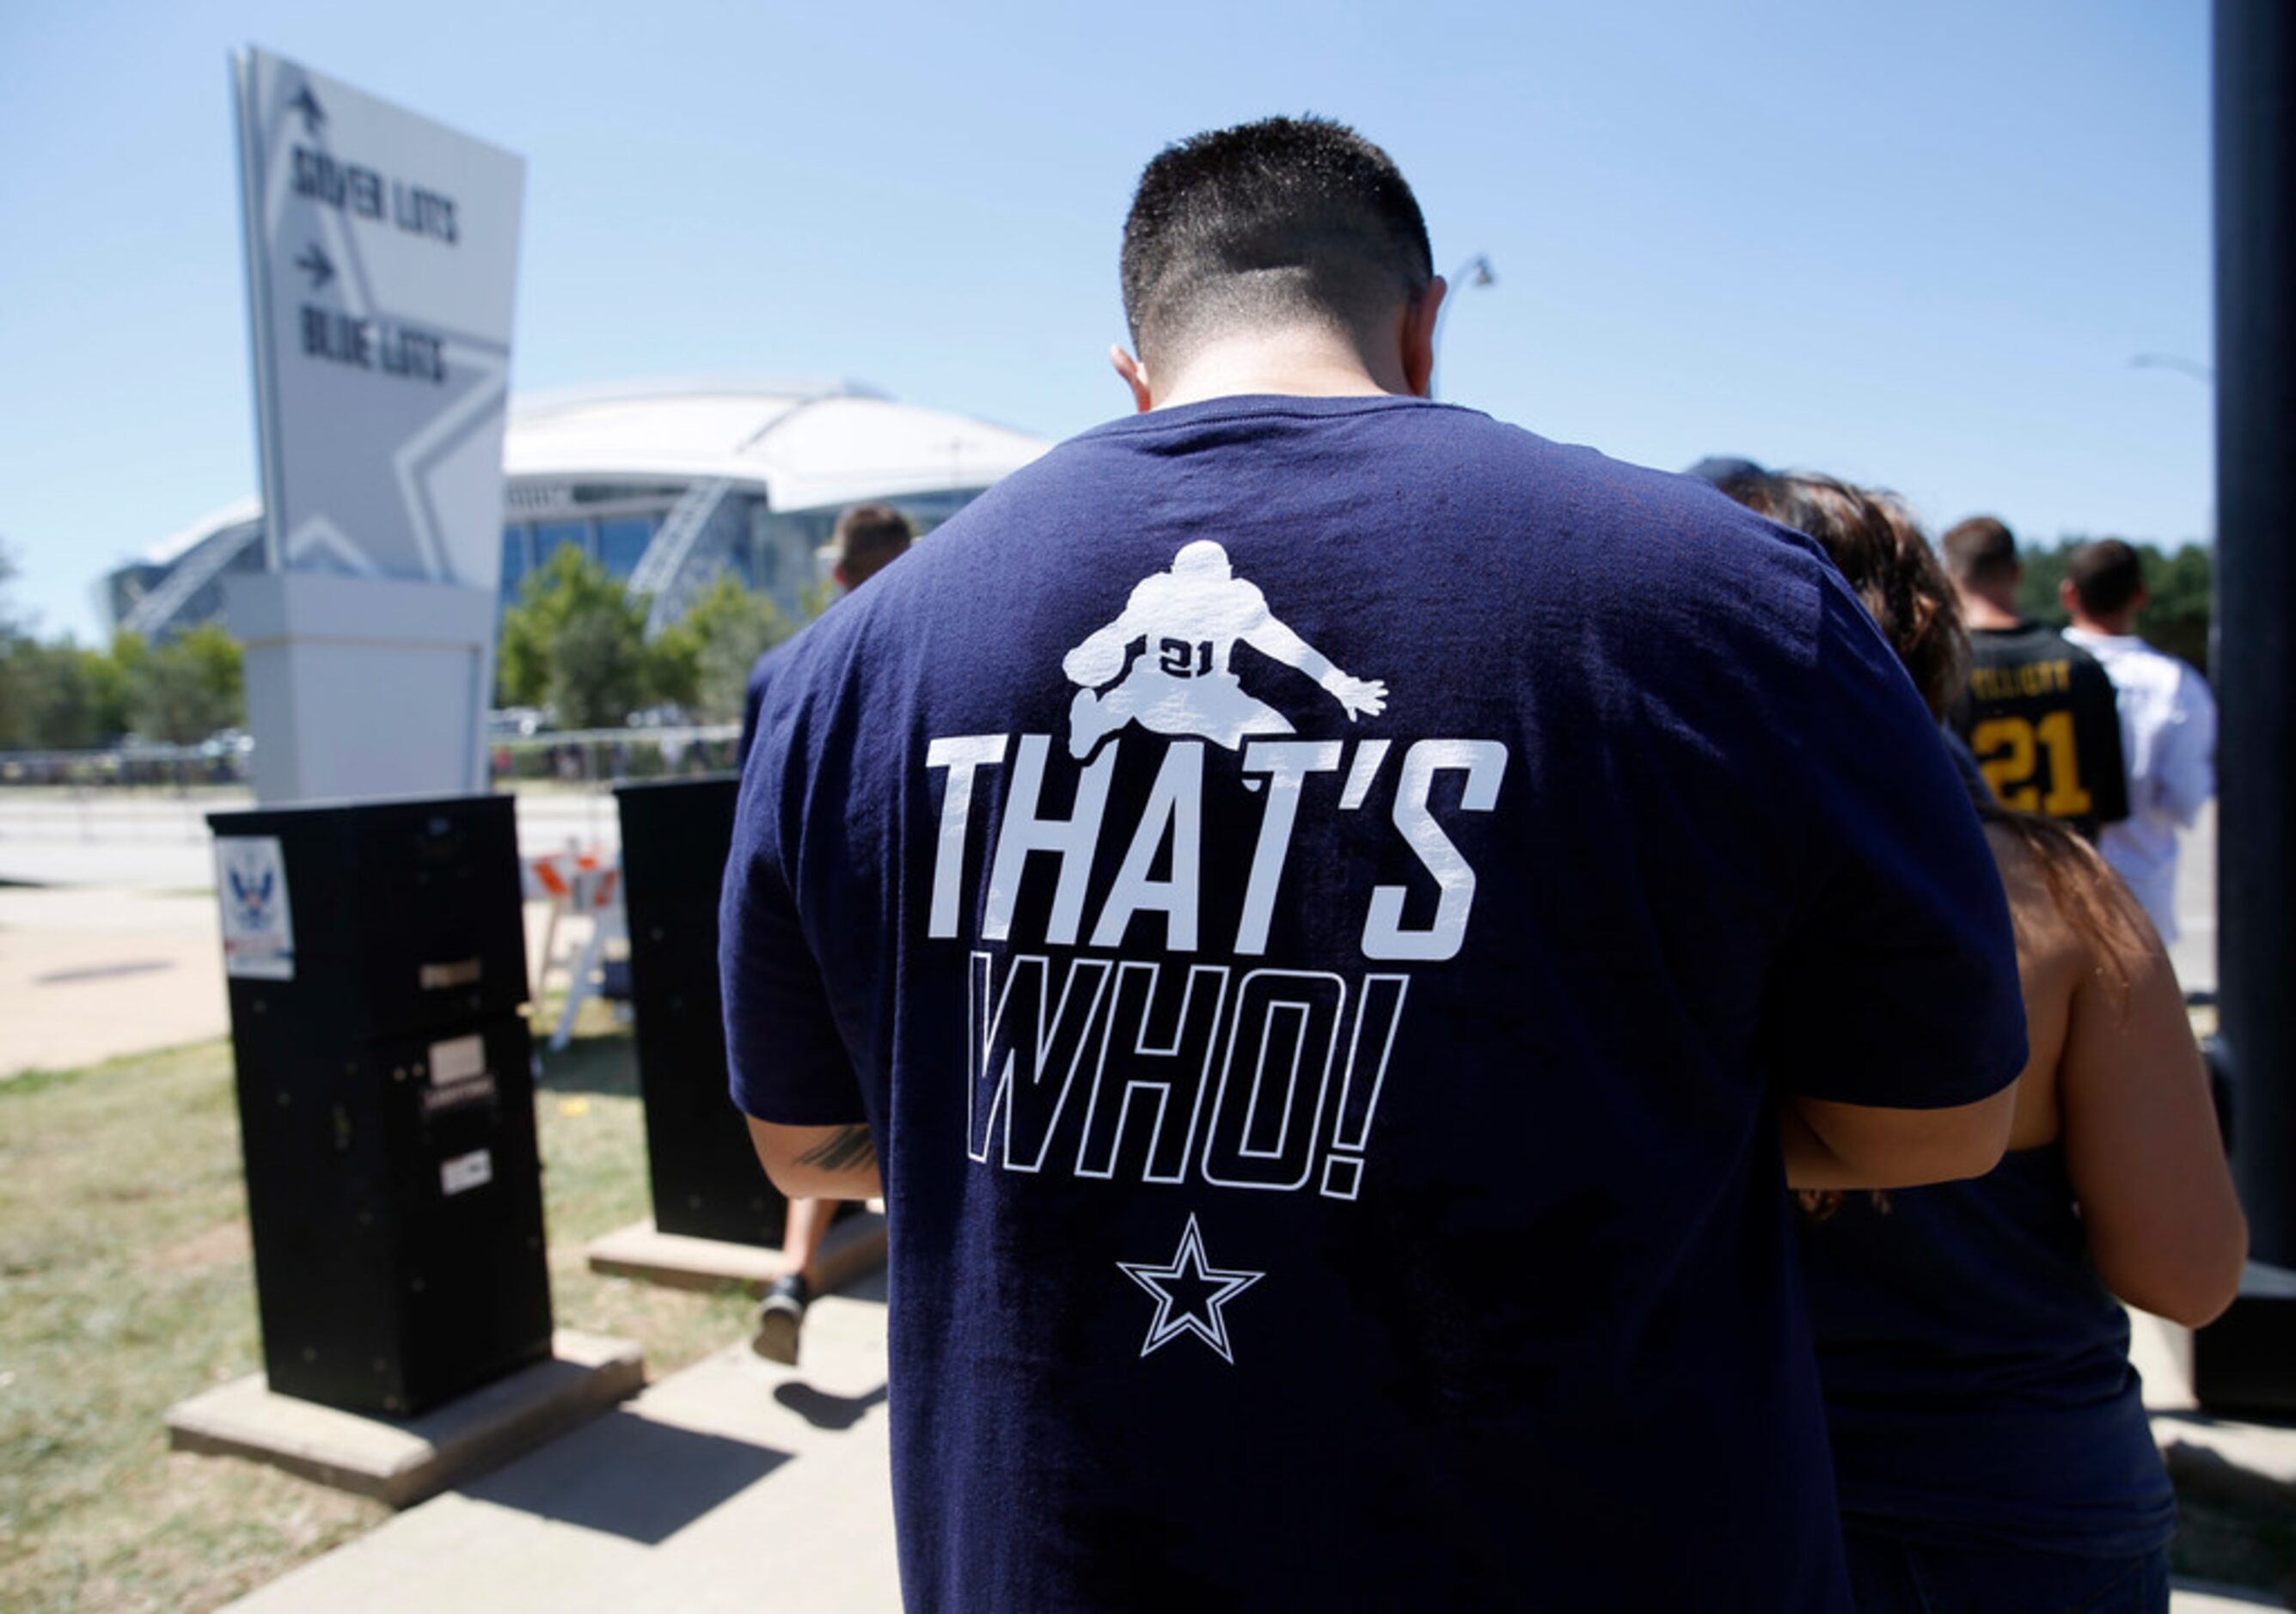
[
  {"x": 2069, "y": 596},
  {"x": 1420, "y": 319},
  {"x": 1135, "y": 376}
]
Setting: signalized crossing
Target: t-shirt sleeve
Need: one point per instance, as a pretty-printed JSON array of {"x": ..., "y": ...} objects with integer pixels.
[
  {"x": 753, "y": 707},
  {"x": 1898, "y": 986},
  {"x": 752, "y": 698},
  {"x": 788, "y": 1062}
]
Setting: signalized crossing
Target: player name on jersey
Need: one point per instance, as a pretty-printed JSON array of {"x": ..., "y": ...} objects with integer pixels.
[{"x": 2025, "y": 678}]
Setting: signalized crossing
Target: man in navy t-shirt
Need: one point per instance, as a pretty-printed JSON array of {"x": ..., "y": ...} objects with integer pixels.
[{"x": 1333, "y": 921}]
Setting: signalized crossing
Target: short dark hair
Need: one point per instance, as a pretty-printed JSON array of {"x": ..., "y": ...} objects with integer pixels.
[
  {"x": 1284, "y": 220},
  {"x": 1979, "y": 550},
  {"x": 868, "y": 535},
  {"x": 2107, "y": 575}
]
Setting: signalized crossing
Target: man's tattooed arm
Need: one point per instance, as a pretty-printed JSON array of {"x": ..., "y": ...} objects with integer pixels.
[
  {"x": 847, "y": 1148},
  {"x": 819, "y": 1162}
]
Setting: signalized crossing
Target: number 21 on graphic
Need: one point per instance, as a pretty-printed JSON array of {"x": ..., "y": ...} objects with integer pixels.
[
  {"x": 2010, "y": 750},
  {"x": 1182, "y": 659}
]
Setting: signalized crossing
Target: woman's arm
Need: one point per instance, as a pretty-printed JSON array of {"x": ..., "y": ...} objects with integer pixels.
[
  {"x": 2164, "y": 1225},
  {"x": 1830, "y": 1146}
]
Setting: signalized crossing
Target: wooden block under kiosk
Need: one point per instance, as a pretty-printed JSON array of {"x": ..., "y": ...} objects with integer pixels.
[
  {"x": 854, "y": 1245},
  {"x": 402, "y": 1460}
]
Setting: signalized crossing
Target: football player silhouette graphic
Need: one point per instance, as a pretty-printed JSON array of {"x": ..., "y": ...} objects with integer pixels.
[{"x": 1188, "y": 620}]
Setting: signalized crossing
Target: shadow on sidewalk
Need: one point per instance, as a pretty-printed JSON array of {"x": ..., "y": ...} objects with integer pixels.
[
  {"x": 823, "y": 1410},
  {"x": 629, "y": 1476}
]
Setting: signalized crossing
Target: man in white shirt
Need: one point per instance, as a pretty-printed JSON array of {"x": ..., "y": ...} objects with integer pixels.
[{"x": 2167, "y": 724}]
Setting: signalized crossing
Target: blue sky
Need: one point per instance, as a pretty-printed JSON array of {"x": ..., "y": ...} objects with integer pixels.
[{"x": 1914, "y": 245}]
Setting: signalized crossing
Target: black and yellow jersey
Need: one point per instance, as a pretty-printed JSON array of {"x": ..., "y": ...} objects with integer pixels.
[{"x": 2041, "y": 715}]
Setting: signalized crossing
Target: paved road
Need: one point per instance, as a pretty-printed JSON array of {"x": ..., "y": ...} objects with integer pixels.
[
  {"x": 2195, "y": 950},
  {"x": 87, "y": 973},
  {"x": 108, "y": 934},
  {"x": 161, "y": 842}
]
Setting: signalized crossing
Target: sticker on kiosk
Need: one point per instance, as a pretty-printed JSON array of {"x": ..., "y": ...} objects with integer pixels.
[
  {"x": 259, "y": 930},
  {"x": 475, "y": 1169}
]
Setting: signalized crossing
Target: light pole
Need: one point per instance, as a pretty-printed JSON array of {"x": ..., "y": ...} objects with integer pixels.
[
  {"x": 2191, "y": 367},
  {"x": 2248, "y": 1357},
  {"x": 1474, "y": 273}
]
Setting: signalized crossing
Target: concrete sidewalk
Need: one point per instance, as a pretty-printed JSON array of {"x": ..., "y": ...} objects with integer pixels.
[
  {"x": 734, "y": 1485},
  {"x": 88, "y": 973},
  {"x": 110, "y": 943}
]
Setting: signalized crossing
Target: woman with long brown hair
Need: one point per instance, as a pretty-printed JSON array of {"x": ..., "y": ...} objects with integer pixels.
[{"x": 1990, "y": 1445}]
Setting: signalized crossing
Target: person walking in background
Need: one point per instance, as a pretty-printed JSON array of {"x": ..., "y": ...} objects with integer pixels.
[
  {"x": 2167, "y": 724},
  {"x": 1342, "y": 1166},
  {"x": 868, "y": 538},
  {"x": 2038, "y": 712},
  {"x": 1990, "y": 1437}
]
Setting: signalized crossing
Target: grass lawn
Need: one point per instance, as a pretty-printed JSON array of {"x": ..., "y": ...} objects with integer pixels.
[{"x": 125, "y": 1284}]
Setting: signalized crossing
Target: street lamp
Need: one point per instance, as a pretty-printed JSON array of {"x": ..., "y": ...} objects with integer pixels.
[
  {"x": 2169, "y": 361},
  {"x": 1475, "y": 272}
]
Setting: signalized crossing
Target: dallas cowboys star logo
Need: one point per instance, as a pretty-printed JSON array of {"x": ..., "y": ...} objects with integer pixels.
[{"x": 1202, "y": 1317}]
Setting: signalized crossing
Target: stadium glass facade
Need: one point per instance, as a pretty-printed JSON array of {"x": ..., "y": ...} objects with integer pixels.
[
  {"x": 666, "y": 485},
  {"x": 781, "y": 552}
]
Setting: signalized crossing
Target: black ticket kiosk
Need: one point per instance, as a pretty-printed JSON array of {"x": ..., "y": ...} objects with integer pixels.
[
  {"x": 707, "y": 1181},
  {"x": 376, "y": 958}
]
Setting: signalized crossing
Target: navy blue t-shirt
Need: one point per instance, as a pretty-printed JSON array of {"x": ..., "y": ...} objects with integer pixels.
[
  {"x": 1317, "y": 899},
  {"x": 753, "y": 701}
]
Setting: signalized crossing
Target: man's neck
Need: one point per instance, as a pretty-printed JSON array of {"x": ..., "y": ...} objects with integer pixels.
[
  {"x": 1981, "y": 613},
  {"x": 2106, "y": 628},
  {"x": 1298, "y": 363}
]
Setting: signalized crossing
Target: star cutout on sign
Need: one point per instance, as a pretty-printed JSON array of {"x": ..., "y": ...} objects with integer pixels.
[{"x": 1189, "y": 1294}]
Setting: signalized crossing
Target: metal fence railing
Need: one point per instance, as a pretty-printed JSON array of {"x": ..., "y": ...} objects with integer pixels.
[
  {"x": 599, "y": 759},
  {"x": 159, "y": 793}
]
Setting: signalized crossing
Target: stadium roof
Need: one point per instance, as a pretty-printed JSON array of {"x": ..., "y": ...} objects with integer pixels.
[
  {"x": 180, "y": 543},
  {"x": 810, "y": 443}
]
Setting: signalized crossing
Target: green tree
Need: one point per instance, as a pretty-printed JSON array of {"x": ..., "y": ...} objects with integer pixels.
[
  {"x": 2045, "y": 569},
  {"x": 720, "y": 639},
  {"x": 598, "y": 669},
  {"x": 187, "y": 689},
  {"x": 13, "y": 707},
  {"x": 2176, "y": 619},
  {"x": 130, "y": 655},
  {"x": 2183, "y": 586},
  {"x": 575, "y": 643},
  {"x": 673, "y": 667},
  {"x": 71, "y": 697}
]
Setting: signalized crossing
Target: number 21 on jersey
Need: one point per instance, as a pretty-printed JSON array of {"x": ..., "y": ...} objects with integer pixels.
[{"x": 2011, "y": 752}]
